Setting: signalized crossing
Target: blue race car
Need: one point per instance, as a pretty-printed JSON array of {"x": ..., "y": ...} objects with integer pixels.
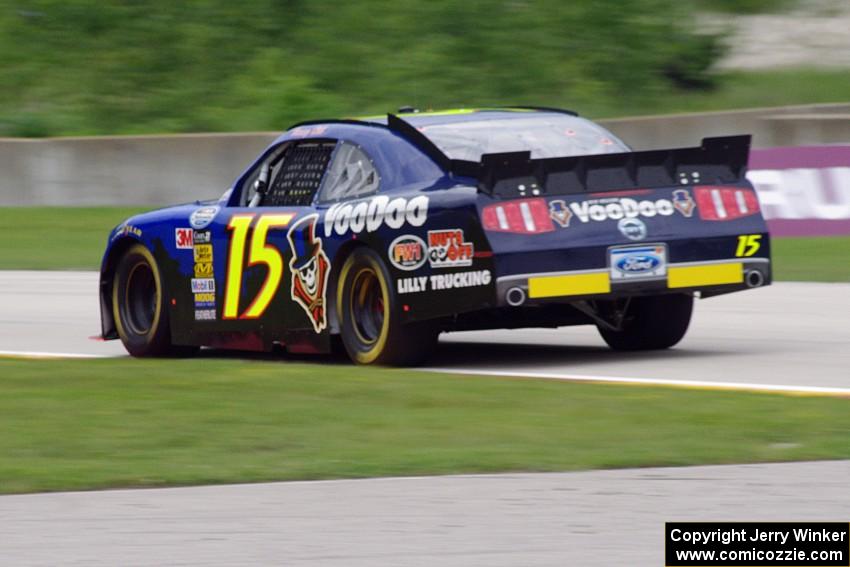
[{"x": 378, "y": 234}]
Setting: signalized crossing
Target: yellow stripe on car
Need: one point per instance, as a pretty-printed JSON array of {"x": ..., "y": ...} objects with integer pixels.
[
  {"x": 710, "y": 274},
  {"x": 572, "y": 284}
]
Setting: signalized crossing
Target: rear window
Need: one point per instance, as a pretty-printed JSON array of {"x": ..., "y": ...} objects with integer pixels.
[{"x": 544, "y": 136}]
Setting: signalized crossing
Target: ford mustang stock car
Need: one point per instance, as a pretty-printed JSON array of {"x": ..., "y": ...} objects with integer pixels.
[{"x": 380, "y": 233}]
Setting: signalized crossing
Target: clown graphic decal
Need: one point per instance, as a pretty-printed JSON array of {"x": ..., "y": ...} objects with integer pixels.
[{"x": 310, "y": 267}]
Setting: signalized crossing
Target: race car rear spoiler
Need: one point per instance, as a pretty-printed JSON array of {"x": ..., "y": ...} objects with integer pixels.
[{"x": 721, "y": 161}]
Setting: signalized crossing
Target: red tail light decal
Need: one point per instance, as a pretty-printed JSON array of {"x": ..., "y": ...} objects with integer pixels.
[
  {"x": 524, "y": 216},
  {"x": 725, "y": 203}
]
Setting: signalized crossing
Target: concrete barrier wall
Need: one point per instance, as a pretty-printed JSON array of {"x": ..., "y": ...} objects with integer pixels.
[
  {"x": 159, "y": 170},
  {"x": 770, "y": 127},
  {"x": 124, "y": 170}
]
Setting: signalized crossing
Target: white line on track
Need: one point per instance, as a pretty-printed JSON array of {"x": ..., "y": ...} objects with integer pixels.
[
  {"x": 32, "y": 354},
  {"x": 698, "y": 384},
  {"x": 695, "y": 384}
]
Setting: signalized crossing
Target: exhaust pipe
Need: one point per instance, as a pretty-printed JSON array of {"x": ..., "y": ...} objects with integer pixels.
[
  {"x": 515, "y": 296},
  {"x": 753, "y": 278}
]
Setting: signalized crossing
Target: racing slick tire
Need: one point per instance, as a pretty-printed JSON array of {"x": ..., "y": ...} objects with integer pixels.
[
  {"x": 371, "y": 326},
  {"x": 138, "y": 307},
  {"x": 651, "y": 323}
]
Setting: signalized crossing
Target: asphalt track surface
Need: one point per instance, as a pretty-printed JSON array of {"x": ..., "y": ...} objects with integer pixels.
[
  {"x": 786, "y": 336},
  {"x": 603, "y": 518},
  {"x": 794, "y": 336}
]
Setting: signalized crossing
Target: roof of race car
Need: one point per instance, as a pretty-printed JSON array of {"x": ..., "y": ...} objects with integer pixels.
[
  {"x": 407, "y": 126},
  {"x": 428, "y": 117},
  {"x": 353, "y": 128},
  {"x": 425, "y": 118}
]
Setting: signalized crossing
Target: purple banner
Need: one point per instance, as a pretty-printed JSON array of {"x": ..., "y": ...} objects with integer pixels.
[{"x": 804, "y": 191}]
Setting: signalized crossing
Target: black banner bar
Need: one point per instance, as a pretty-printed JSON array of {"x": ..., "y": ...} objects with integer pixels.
[{"x": 762, "y": 544}]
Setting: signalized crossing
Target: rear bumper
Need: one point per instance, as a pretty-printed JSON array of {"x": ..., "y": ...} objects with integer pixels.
[{"x": 709, "y": 277}]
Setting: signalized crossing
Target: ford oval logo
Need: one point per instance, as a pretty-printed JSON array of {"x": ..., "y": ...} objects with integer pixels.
[{"x": 638, "y": 264}]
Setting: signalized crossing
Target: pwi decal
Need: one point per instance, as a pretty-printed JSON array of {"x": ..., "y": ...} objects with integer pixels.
[
  {"x": 407, "y": 252},
  {"x": 447, "y": 249}
]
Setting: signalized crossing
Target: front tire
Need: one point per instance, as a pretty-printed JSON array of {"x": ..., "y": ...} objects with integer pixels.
[
  {"x": 370, "y": 321},
  {"x": 651, "y": 323},
  {"x": 138, "y": 307}
]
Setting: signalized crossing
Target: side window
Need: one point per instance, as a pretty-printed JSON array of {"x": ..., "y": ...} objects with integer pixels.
[
  {"x": 351, "y": 174},
  {"x": 298, "y": 173},
  {"x": 289, "y": 176}
]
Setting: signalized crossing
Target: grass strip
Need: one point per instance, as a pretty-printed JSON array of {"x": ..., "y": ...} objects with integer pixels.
[{"x": 90, "y": 424}]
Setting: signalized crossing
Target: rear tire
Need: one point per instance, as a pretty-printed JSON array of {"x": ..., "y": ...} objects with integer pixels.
[
  {"x": 138, "y": 307},
  {"x": 371, "y": 326},
  {"x": 651, "y": 323}
]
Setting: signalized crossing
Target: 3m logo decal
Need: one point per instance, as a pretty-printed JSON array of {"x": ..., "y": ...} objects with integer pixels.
[
  {"x": 259, "y": 252},
  {"x": 183, "y": 238}
]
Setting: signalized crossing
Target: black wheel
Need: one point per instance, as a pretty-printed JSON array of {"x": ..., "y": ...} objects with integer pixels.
[
  {"x": 138, "y": 308},
  {"x": 652, "y": 322},
  {"x": 370, "y": 322}
]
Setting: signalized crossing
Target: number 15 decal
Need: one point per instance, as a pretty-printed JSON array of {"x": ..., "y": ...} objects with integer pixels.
[
  {"x": 748, "y": 244},
  {"x": 259, "y": 252}
]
